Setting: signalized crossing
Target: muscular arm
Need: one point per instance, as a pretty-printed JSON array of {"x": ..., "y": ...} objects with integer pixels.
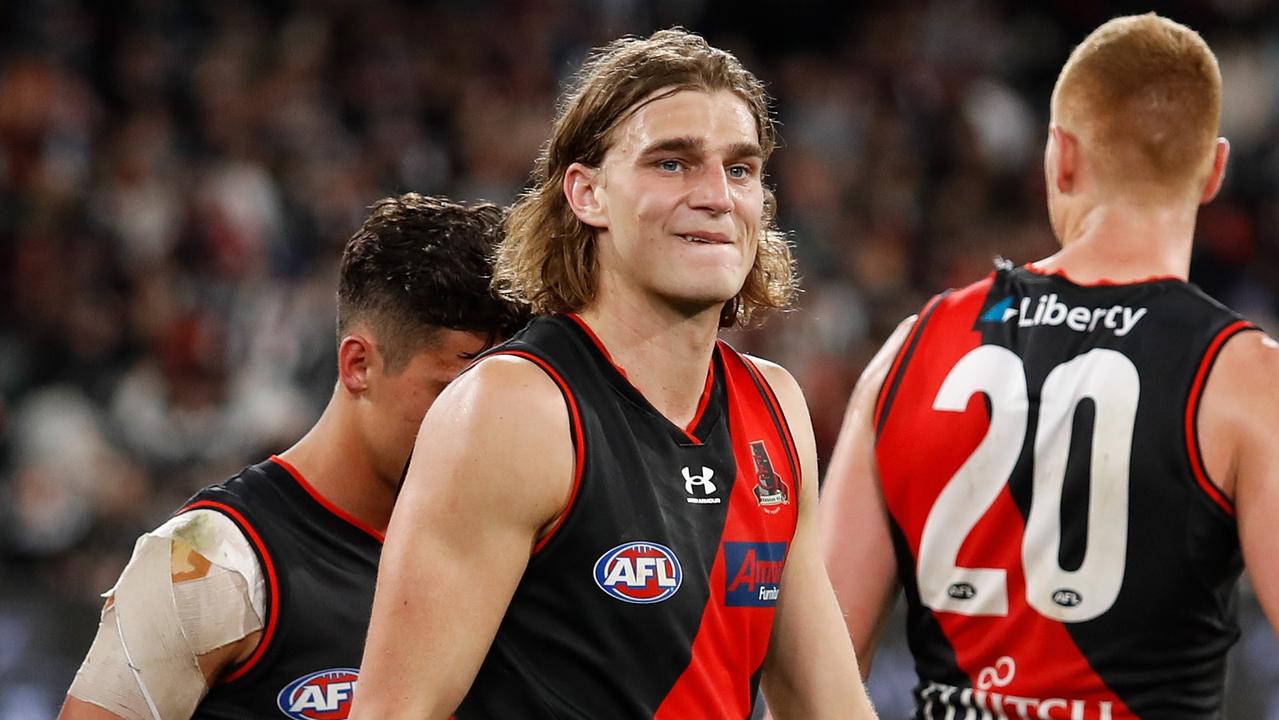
[
  {"x": 492, "y": 467},
  {"x": 856, "y": 544},
  {"x": 810, "y": 670},
  {"x": 1237, "y": 419},
  {"x": 181, "y": 615}
]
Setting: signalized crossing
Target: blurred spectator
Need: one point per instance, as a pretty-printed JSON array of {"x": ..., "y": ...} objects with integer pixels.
[{"x": 176, "y": 180}]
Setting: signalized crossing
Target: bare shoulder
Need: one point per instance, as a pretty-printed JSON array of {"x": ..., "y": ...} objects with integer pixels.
[
  {"x": 778, "y": 377},
  {"x": 1241, "y": 386},
  {"x": 876, "y": 371},
  {"x": 500, "y": 435},
  {"x": 1250, "y": 356},
  {"x": 1239, "y": 409},
  {"x": 514, "y": 375},
  {"x": 1244, "y": 375},
  {"x": 506, "y": 390}
]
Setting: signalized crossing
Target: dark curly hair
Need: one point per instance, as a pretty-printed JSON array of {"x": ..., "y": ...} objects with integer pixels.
[{"x": 419, "y": 264}]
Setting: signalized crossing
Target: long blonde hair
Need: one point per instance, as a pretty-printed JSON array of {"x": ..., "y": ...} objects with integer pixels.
[{"x": 548, "y": 257}]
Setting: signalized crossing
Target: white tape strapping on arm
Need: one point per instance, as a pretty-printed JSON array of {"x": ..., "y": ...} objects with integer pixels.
[
  {"x": 218, "y": 538},
  {"x": 170, "y": 605}
]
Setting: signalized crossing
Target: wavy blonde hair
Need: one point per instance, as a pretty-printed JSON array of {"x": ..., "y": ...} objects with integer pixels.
[{"x": 548, "y": 258}]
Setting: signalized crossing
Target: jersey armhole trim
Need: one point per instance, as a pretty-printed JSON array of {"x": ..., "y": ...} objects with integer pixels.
[
  {"x": 273, "y": 585},
  {"x": 888, "y": 390},
  {"x": 779, "y": 418},
  {"x": 1193, "y": 451},
  {"x": 579, "y": 441}
]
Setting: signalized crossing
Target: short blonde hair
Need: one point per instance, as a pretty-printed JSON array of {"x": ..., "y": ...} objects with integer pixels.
[
  {"x": 1144, "y": 94},
  {"x": 548, "y": 258}
]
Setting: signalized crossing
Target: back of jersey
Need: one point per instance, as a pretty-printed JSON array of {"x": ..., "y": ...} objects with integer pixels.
[{"x": 1063, "y": 551}]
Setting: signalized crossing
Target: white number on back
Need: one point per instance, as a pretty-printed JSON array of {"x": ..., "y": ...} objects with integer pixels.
[{"x": 1111, "y": 381}]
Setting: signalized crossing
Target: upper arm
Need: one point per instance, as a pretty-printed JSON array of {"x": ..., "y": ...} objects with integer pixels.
[
  {"x": 492, "y": 468},
  {"x": 1237, "y": 419},
  {"x": 810, "y": 670},
  {"x": 856, "y": 543},
  {"x": 179, "y": 617}
]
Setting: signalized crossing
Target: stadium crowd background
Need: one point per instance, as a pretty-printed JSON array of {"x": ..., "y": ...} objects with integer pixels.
[{"x": 177, "y": 179}]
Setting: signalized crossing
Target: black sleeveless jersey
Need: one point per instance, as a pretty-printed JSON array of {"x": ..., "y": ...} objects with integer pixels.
[
  {"x": 655, "y": 595},
  {"x": 1063, "y": 551},
  {"x": 320, "y": 565}
]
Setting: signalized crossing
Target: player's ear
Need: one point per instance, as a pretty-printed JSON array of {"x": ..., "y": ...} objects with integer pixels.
[
  {"x": 583, "y": 187},
  {"x": 355, "y": 357},
  {"x": 1217, "y": 175},
  {"x": 1063, "y": 159}
]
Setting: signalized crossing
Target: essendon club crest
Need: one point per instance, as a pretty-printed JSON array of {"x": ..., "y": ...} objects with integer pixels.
[{"x": 770, "y": 490}]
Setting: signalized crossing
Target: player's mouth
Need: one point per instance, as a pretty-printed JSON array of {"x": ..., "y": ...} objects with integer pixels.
[{"x": 706, "y": 238}]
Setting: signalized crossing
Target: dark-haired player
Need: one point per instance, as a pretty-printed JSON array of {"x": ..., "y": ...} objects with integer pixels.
[
  {"x": 253, "y": 600},
  {"x": 1075, "y": 457}
]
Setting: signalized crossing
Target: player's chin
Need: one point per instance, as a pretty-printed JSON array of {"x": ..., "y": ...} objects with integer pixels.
[{"x": 696, "y": 300}]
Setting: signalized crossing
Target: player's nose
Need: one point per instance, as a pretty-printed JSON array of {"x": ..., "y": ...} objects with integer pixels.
[{"x": 711, "y": 190}]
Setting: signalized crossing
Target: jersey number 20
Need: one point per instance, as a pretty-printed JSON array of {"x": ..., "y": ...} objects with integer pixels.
[{"x": 1110, "y": 380}]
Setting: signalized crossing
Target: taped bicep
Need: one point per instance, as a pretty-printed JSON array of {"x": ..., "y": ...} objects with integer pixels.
[{"x": 192, "y": 587}]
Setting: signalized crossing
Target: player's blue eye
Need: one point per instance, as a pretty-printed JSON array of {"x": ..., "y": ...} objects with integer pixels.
[
  {"x": 739, "y": 172},
  {"x": 670, "y": 165}
]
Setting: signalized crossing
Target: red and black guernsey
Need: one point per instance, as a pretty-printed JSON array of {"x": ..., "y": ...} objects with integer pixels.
[
  {"x": 1063, "y": 551},
  {"x": 654, "y": 598},
  {"x": 320, "y": 565}
]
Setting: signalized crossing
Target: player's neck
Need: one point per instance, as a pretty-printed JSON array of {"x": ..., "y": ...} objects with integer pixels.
[
  {"x": 664, "y": 354},
  {"x": 334, "y": 460},
  {"x": 1123, "y": 243}
]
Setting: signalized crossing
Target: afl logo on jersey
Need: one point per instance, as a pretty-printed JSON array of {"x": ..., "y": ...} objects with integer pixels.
[
  {"x": 323, "y": 695},
  {"x": 639, "y": 572},
  {"x": 1066, "y": 597}
]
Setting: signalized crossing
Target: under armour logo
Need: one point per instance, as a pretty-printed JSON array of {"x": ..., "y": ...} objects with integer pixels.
[
  {"x": 702, "y": 481},
  {"x": 999, "y": 675}
]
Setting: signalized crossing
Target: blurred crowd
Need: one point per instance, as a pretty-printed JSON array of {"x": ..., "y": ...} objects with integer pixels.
[{"x": 177, "y": 180}]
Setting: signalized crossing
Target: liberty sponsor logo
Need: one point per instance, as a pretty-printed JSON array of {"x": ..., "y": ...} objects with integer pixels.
[
  {"x": 988, "y": 698},
  {"x": 1119, "y": 319},
  {"x": 639, "y": 572},
  {"x": 323, "y": 695},
  {"x": 770, "y": 490},
  {"x": 753, "y": 573},
  {"x": 700, "y": 488}
]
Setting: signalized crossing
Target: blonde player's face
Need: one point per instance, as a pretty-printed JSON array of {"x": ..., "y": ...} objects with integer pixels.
[{"x": 682, "y": 197}]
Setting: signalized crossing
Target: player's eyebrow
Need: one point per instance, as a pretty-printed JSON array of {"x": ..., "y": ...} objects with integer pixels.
[
  {"x": 697, "y": 146},
  {"x": 686, "y": 145},
  {"x": 744, "y": 150}
]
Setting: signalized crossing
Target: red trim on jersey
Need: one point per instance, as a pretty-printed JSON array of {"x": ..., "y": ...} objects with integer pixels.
[
  {"x": 579, "y": 440},
  {"x": 1032, "y": 267},
  {"x": 732, "y": 640},
  {"x": 788, "y": 440},
  {"x": 273, "y": 583},
  {"x": 902, "y": 352},
  {"x": 706, "y": 391},
  {"x": 702, "y": 404},
  {"x": 325, "y": 502},
  {"x": 598, "y": 343},
  {"x": 1209, "y": 487},
  {"x": 919, "y": 453}
]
